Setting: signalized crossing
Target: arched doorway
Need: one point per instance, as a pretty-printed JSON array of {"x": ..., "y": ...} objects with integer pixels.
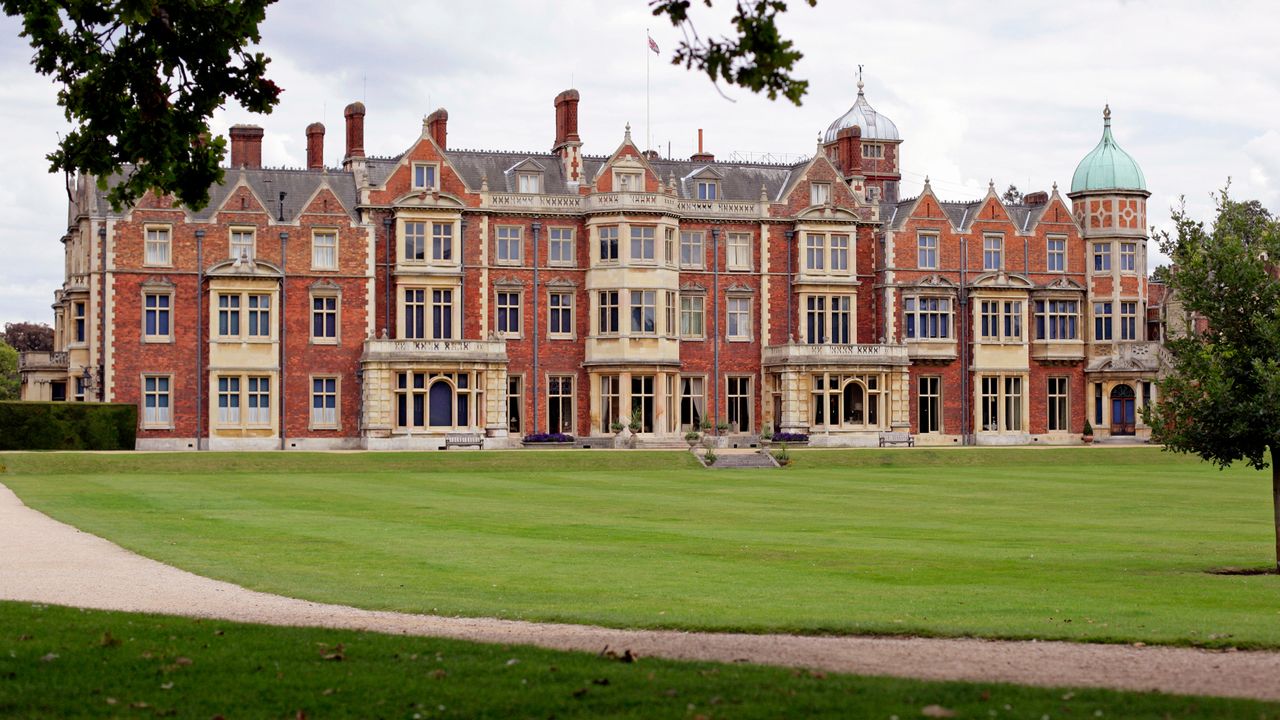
[
  {"x": 1123, "y": 410},
  {"x": 440, "y": 404}
]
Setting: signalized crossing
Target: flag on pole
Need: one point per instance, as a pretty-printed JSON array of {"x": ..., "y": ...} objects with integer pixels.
[{"x": 653, "y": 46}]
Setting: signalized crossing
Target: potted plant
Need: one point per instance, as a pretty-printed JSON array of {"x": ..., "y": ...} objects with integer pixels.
[
  {"x": 782, "y": 456},
  {"x": 637, "y": 422},
  {"x": 722, "y": 427},
  {"x": 692, "y": 437},
  {"x": 616, "y": 426},
  {"x": 1087, "y": 435}
]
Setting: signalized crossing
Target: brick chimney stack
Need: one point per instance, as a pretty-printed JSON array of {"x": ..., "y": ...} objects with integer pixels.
[
  {"x": 246, "y": 146},
  {"x": 849, "y": 150},
  {"x": 1035, "y": 199},
  {"x": 438, "y": 127},
  {"x": 566, "y": 119},
  {"x": 315, "y": 146},
  {"x": 701, "y": 156},
  {"x": 355, "y": 129}
]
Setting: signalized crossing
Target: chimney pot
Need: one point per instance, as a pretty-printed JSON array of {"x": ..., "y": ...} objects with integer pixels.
[
  {"x": 701, "y": 155},
  {"x": 438, "y": 127},
  {"x": 315, "y": 146},
  {"x": 246, "y": 146},
  {"x": 355, "y": 129}
]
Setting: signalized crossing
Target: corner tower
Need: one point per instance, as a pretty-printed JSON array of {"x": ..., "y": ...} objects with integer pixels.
[{"x": 864, "y": 145}]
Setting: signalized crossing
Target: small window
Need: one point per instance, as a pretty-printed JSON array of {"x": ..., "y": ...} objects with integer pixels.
[
  {"x": 560, "y": 246},
  {"x": 669, "y": 246},
  {"x": 78, "y": 317},
  {"x": 669, "y": 309},
  {"x": 628, "y": 181},
  {"x": 739, "y": 251},
  {"x": 738, "y": 315},
  {"x": 508, "y": 314},
  {"x": 259, "y": 316},
  {"x": 157, "y": 405},
  {"x": 871, "y": 150},
  {"x": 228, "y": 316},
  {"x": 259, "y": 401},
  {"x": 442, "y": 242},
  {"x": 642, "y": 243},
  {"x": 708, "y": 189},
  {"x": 515, "y": 404},
  {"x": 424, "y": 176},
  {"x": 415, "y": 313},
  {"x": 840, "y": 253},
  {"x": 414, "y": 241},
  {"x": 159, "y": 246},
  {"x": 324, "y": 250},
  {"x": 992, "y": 253},
  {"x": 228, "y": 400},
  {"x": 1128, "y": 321},
  {"x": 324, "y": 402},
  {"x": 608, "y": 243},
  {"x": 529, "y": 182},
  {"x": 927, "y": 252},
  {"x": 560, "y": 314},
  {"x": 819, "y": 193},
  {"x": 1102, "y": 321},
  {"x": 508, "y": 242},
  {"x": 242, "y": 243},
  {"x": 607, "y": 323},
  {"x": 324, "y": 319},
  {"x": 815, "y": 251},
  {"x": 156, "y": 321},
  {"x": 691, "y": 253},
  {"x": 1056, "y": 254},
  {"x": 644, "y": 312},
  {"x": 692, "y": 316},
  {"x": 1102, "y": 257},
  {"x": 1128, "y": 256}
]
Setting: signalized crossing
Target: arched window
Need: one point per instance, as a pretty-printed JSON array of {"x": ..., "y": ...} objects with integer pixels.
[{"x": 1121, "y": 391}]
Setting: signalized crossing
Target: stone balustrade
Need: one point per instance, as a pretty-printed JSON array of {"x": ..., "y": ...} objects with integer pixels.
[
  {"x": 385, "y": 350},
  {"x": 829, "y": 354}
]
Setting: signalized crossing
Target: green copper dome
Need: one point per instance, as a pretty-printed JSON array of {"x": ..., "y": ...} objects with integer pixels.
[{"x": 1107, "y": 167}]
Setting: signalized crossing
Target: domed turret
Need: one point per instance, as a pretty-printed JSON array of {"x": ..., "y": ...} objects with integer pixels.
[
  {"x": 874, "y": 126},
  {"x": 1107, "y": 167}
]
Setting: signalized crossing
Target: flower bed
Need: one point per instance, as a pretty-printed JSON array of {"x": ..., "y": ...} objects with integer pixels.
[
  {"x": 545, "y": 438},
  {"x": 780, "y": 437}
]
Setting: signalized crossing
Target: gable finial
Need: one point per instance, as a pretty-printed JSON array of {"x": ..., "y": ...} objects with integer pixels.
[
  {"x": 1055, "y": 187},
  {"x": 991, "y": 185},
  {"x": 926, "y": 182},
  {"x": 859, "y": 79},
  {"x": 628, "y": 133}
]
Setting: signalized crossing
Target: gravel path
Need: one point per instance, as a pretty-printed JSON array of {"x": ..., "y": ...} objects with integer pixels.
[{"x": 43, "y": 560}]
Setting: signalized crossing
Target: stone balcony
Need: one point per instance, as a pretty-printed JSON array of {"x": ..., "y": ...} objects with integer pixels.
[
  {"x": 434, "y": 351},
  {"x": 828, "y": 354},
  {"x": 641, "y": 202},
  {"x": 33, "y": 361},
  {"x": 938, "y": 351},
  {"x": 1057, "y": 351},
  {"x": 1126, "y": 356}
]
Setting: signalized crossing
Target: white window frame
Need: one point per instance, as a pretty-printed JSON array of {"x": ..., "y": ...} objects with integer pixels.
[
  {"x": 819, "y": 193},
  {"x": 992, "y": 253},
  {"x": 1054, "y": 322},
  {"x": 815, "y": 252},
  {"x": 928, "y": 317},
  {"x": 840, "y": 249},
  {"x": 506, "y": 239},
  {"x": 335, "y": 312},
  {"x": 420, "y": 182},
  {"x": 413, "y": 241},
  {"x": 1059, "y": 399},
  {"x": 505, "y": 308},
  {"x": 872, "y": 151},
  {"x": 628, "y": 181},
  {"x": 1128, "y": 257},
  {"x": 738, "y": 251},
  {"x": 157, "y": 417},
  {"x": 324, "y": 249},
  {"x": 646, "y": 302},
  {"x": 609, "y": 237},
  {"x": 1007, "y": 316},
  {"x": 738, "y": 318},
  {"x": 1002, "y": 400},
  {"x": 236, "y": 242},
  {"x": 529, "y": 183},
  {"x": 706, "y": 189},
  {"x": 603, "y": 308},
  {"x": 929, "y": 391},
  {"x": 693, "y": 305},
  {"x": 643, "y": 238},
  {"x": 167, "y": 310},
  {"x": 1050, "y": 253},
  {"x": 160, "y": 239},
  {"x": 560, "y": 242},
  {"x": 1101, "y": 257},
  {"x": 693, "y": 253},
  {"x": 228, "y": 399},
  {"x": 326, "y": 418},
  {"x": 557, "y": 304},
  {"x": 258, "y": 416},
  {"x": 927, "y": 251}
]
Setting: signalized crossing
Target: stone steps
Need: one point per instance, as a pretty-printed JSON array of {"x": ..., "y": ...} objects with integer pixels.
[{"x": 730, "y": 461}]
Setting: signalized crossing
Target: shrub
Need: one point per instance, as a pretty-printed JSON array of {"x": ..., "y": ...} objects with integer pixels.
[
  {"x": 709, "y": 457},
  {"x": 692, "y": 436},
  {"x": 782, "y": 456},
  {"x": 789, "y": 437},
  {"x": 1088, "y": 429},
  {"x": 67, "y": 426},
  {"x": 548, "y": 438}
]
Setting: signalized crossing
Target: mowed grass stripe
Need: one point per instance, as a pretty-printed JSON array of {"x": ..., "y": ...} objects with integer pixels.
[{"x": 1089, "y": 544}]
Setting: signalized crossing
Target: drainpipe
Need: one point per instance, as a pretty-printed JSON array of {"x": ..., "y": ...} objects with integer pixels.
[
  {"x": 200, "y": 379},
  {"x": 791, "y": 234},
  {"x": 386, "y": 271},
  {"x": 284, "y": 353},
  {"x": 537, "y": 228},
  {"x": 715, "y": 304},
  {"x": 462, "y": 282},
  {"x": 102, "y": 312},
  {"x": 964, "y": 317}
]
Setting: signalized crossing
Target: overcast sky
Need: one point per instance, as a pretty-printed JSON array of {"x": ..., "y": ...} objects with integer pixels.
[{"x": 1010, "y": 91}]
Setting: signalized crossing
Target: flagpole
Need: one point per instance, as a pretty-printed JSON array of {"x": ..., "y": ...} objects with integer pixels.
[{"x": 648, "y": 134}]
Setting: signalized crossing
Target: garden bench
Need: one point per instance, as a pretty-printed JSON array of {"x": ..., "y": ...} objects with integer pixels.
[
  {"x": 463, "y": 439},
  {"x": 897, "y": 438}
]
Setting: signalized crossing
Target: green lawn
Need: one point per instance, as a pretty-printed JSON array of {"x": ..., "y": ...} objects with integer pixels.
[
  {"x": 65, "y": 663},
  {"x": 1086, "y": 544}
]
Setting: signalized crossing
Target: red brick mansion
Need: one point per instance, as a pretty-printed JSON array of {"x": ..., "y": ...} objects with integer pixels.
[{"x": 396, "y": 299}]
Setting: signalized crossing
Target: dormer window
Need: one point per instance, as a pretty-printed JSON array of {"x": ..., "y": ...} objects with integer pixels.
[
  {"x": 819, "y": 193},
  {"x": 873, "y": 194},
  {"x": 628, "y": 181},
  {"x": 528, "y": 182},
  {"x": 424, "y": 176},
  {"x": 872, "y": 151},
  {"x": 707, "y": 189}
]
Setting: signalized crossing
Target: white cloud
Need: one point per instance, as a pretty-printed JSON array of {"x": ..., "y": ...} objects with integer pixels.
[{"x": 1008, "y": 90}]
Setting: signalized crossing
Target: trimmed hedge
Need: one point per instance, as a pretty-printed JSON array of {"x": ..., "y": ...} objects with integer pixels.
[{"x": 67, "y": 426}]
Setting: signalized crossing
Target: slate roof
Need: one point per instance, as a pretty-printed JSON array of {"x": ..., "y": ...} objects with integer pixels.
[{"x": 298, "y": 186}]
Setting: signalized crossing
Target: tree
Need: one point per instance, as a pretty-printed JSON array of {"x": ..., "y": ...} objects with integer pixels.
[
  {"x": 757, "y": 58},
  {"x": 1012, "y": 196},
  {"x": 139, "y": 80},
  {"x": 1220, "y": 398},
  {"x": 27, "y": 337},
  {"x": 10, "y": 382}
]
